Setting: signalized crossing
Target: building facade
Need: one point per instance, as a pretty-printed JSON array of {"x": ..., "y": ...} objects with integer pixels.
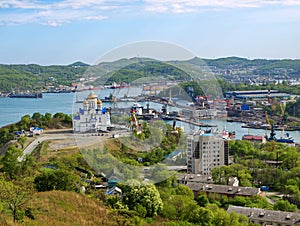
[
  {"x": 206, "y": 151},
  {"x": 92, "y": 117}
]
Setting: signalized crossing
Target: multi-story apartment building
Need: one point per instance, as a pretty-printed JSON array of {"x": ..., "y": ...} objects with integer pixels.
[{"x": 206, "y": 151}]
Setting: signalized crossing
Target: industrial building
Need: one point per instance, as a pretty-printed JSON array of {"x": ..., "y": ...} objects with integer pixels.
[{"x": 256, "y": 94}]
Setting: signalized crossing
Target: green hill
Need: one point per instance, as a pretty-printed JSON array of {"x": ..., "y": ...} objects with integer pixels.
[{"x": 34, "y": 77}]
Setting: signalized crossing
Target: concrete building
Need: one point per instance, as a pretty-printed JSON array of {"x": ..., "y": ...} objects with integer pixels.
[
  {"x": 92, "y": 117},
  {"x": 206, "y": 151},
  {"x": 229, "y": 191},
  {"x": 267, "y": 217},
  {"x": 256, "y": 94}
]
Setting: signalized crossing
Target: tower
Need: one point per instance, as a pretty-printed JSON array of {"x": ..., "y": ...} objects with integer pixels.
[{"x": 206, "y": 151}]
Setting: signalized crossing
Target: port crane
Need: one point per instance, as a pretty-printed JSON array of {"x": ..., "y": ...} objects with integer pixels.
[
  {"x": 267, "y": 119},
  {"x": 283, "y": 115}
]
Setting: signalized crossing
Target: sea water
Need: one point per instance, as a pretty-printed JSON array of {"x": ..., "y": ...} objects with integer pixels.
[{"x": 12, "y": 109}]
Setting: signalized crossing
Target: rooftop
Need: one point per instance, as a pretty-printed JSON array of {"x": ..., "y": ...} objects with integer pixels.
[
  {"x": 223, "y": 189},
  {"x": 257, "y": 214},
  {"x": 195, "y": 178}
]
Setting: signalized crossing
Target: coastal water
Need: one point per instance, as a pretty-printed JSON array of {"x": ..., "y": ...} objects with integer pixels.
[{"x": 12, "y": 109}]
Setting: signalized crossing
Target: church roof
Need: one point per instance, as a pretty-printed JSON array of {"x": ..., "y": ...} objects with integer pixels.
[{"x": 92, "y": 96}]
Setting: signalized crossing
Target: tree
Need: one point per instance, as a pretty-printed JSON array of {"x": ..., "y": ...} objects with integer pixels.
[
  {"x": 285, "y": 205},
  {"x": 5, "y": 136},
  {"x": 14, "y": 196},
  {"x": 202, "y": 200},
  {"x": 10, "y": 163},
  {"x": 184, "y": 190},
  {"x": 37, "y": 118},
  {"x": 143, "y": 194},
  {"x": 25, "y": 122},
  {"x": 180, "y": 208},
  {"x": 22, "y": 141},
  {"x": 47, "y": 117},
  {"x": 55, "y": 180}
]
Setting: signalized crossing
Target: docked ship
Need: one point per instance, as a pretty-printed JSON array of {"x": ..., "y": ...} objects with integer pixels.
[
  {"x": 286, "y": 139},
  {"x": 25, "y": 95}
]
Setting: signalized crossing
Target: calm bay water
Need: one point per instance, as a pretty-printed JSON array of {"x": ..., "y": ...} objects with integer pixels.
[{"x": 12, "y": 109}]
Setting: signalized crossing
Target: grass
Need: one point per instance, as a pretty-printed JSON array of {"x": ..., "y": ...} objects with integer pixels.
[
  {"x": 43, "y": 153},
  {"x": 66, "y": 208},
  {"x": 69, "y": 208}
]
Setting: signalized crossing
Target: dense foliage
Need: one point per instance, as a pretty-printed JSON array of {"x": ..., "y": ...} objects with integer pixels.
[
  {"x": 147, "y": 69},
  {"x": 47, "y": 121},
  {"x": 33, "y": 77},
  {"x": 274, "y": 165}
]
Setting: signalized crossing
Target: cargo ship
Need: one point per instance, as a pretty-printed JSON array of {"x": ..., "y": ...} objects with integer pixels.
[{"x": 26, "y": 95}]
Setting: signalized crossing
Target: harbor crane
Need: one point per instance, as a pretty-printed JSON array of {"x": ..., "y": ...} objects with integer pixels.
[{"x": 283, "y": 115}]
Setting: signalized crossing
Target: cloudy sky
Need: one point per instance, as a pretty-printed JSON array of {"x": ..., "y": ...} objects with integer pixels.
[{"x": 63, "y": 31}]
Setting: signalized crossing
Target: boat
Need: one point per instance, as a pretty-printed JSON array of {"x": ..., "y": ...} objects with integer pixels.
[
  {"x": 115, "y": 85},
  {"x": 227, "y": 134},
  {"x": 286, "y": 139},
  {"x": 26, "y": 95}
]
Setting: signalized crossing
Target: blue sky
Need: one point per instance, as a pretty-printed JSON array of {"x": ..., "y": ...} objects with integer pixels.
[{"x": 64, "y": 31}]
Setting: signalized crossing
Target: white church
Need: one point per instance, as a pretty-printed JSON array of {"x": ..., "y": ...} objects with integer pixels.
[{"x": 92, "y": 117}]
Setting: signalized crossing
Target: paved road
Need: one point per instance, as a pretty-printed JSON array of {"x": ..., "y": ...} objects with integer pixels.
[
  {"x": 68, "y": 139},
  {"x": 30, "y": 148}
]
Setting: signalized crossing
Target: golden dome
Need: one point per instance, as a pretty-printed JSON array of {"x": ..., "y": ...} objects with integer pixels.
[
  {"x": 99, "y": 101},
  {"x": 92, "y": 96},
  {"x": 85, "y": 102}
]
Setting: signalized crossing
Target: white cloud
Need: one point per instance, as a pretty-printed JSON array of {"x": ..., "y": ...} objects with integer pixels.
[
  {"x": 54, "y": 13},
  {"x": 180, "y": 6}
]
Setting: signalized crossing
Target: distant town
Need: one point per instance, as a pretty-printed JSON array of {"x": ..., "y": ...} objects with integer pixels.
[{"x": 136, "y": 163}]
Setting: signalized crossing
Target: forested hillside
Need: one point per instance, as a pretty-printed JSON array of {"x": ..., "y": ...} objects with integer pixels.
[{"x": 33, "y": 77}]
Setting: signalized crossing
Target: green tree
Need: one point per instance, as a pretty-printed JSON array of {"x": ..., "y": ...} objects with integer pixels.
[
  {"x": 22, "y": 141},
  {"x": 37, "y": 118},
  {"x": 180, "y": 208},
  {"x": 14, "y": 196},
  {"x": 140, "y": 193},
  {"x": 47, "y": 117},
  {"x": 5, "y": 136},
  {"x": 285, "y": 205},
  {"x": 202, "y": 200},
  {"x": 55, "y": 180},
  {"x": 10, "y": 163},
  {"x": 25, "y": 122}
]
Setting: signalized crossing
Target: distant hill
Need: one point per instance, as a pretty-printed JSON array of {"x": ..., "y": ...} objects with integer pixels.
[
  {"x": 147, "y": 69},
  {"x": 34, "y": 77},
  {"x": 79, "y": 64},
  {"x": 21, "y": 77}
]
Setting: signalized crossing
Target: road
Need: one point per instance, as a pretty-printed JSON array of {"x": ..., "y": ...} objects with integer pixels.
[
  {"x": 66, "y": 138},
  {"x": 41, "y": 138}
]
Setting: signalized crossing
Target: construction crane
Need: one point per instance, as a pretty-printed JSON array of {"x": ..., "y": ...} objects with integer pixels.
[
  {"x": 267, "y": 118},
  {"x": 283, "y": 115},
  {"x": 272, "y": 134}
]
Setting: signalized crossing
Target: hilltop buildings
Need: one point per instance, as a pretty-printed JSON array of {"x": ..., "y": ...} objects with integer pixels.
[
  {"x": 206, "y": 151},
  {"x": 92, "y": 117}
]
